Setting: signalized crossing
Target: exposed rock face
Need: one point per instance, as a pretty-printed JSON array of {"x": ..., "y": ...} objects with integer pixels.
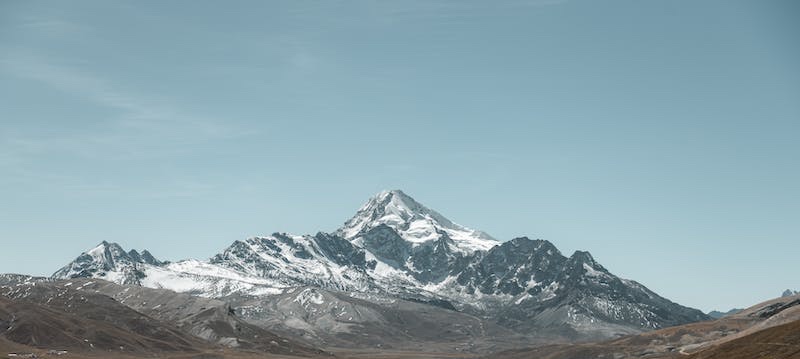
[
  {"x": 394, "y": 247},
  {"x": 109, "y": 259}
]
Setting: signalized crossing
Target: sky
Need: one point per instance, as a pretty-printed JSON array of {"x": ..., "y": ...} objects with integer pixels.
[{"x": 661, "y": 136}]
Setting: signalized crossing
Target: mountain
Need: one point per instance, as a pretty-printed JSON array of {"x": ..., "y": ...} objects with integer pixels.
[
  {"x": 395, "y": 248},
  {"x": 717, "y": 314},
  {"x": 789, "y": 293},
  {"x": 111, "y": 261},
  {"x": 413, "y": 222},
  {"x": 535, "y": 287},
  {"x": 59, "y": 317},
  {"x": 114, "y": 320},
  {"x": 328, "y": 318}
]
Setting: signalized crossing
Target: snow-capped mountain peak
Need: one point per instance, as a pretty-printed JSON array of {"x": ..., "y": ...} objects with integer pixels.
[
  {"x": 395, "y": 247},
  {"x": 413, "y": 221},
  {"x": 107, "y": 253},
  {"x": 109, "y": 256},
  {"x": 106, "y": 258}
]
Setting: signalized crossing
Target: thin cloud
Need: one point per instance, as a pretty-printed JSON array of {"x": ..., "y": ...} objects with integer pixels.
[
  {"x": 75, "y": 186},
  {"x": 138, "y": 120},
  {"x": 135, "y": 111},
  {"x": 139, "y": 128},
  {"x": 54, "y": 27}
]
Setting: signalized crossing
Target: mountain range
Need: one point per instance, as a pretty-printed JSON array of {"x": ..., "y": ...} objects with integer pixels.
[{"x": 397, "y": 253}]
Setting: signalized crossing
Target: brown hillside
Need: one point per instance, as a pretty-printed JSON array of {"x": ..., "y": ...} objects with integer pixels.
[{"x": 780, "y": 342}]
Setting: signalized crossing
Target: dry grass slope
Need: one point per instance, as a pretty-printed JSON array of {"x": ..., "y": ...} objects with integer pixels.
[{"x": 781, "y": 342}]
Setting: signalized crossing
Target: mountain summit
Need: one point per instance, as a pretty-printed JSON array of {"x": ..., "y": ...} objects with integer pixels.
[
  {"x": 109, "y": 259},
  {"x": 414, "y": 222},
  {"x": 396, "y": 248}
]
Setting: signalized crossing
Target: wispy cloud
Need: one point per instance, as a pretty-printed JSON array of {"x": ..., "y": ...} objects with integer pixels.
[
  {"x": 135, "y": 111},
  {"x": 125, "y": 126},
  {"x": 53, "y": 183},
  {"x": 51, "y": 26},
  {"x": 137, "y": 119}
]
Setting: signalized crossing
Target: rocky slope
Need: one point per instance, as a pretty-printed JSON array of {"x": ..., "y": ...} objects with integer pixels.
[
  {"x": 395, "y": 247},
  {"x": 765, "y": 330},
  {"x": 778, "y": 342},
  {"x": 90, "y": 315},
  {"x": 59, "y": 317}
]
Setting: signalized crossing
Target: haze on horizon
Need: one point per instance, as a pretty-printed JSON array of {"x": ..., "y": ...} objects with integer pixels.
[{"x": 661, "y": 136}]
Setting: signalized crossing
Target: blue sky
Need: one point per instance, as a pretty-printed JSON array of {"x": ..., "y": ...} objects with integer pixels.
[{"x": 661, "y": 136}]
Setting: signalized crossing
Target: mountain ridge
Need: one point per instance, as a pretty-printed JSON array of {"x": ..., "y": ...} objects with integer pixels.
[
  {"x": 395, "y": 247},
  {"x": 414, "y": 222}
]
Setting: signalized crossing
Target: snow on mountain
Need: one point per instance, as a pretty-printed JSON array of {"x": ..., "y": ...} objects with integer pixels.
[
  {"x": 206, "y": 280},
  {"x": 397, "y": 248},
  {"x": 414, "y": 222},
  {"x": 111, "y": 261},
  {"x": 321, "y": 260}
]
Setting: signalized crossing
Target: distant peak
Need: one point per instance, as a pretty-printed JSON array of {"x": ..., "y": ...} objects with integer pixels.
[
  {"x": 112, "y": 252},
  {"x": 394, "y": 202},
  {"x": 414, "y": 222},
  {"x": 538, "y": 242},
  {"x": 582, "y": 257},
  {"x": 391, "y": 192},
  {"x": 396, "y": 198},
  {"x": 535, "y": 244},
  {"x": 107, "y": 246},
  {"x": 148, "y": 258}
]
